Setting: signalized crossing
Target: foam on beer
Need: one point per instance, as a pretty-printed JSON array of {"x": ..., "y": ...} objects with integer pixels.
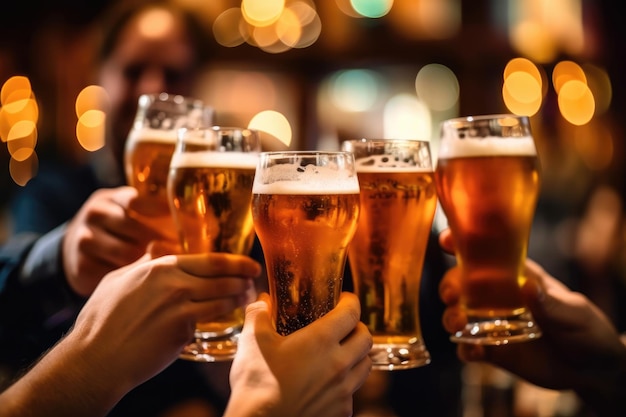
[
  {"x": 487, "y": 146},
  {"x": 146, "y": 134},
  {"x": 295, "y": 179},
  {"x": 214, "y": 159},
  {"x": 387, "y": 163}
]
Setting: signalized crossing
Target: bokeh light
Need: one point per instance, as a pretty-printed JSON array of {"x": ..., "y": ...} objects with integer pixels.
[
  {"x": 565, "y": 71},
  {"x": 372, "y": 8},
  {"x": 576, "y": 102},
  {"x": 274, "y": 128},
  {"x": 23, "y": 171},
  {"x": 226, "y": 28},
  {"x": 275, "y": 26},
  {"x": 406, "y": 117},
  {"x": 19, "y": 116},
  {"x": 522, "y": 89},
  {"x": 22, "y": 140},
  {"x": 354, "y": 90},
  {"x": 92, "y": 104},
  {"x": 426, "y": 19},
  {"x": 155, "y": 23},
  {"x": 437, "y": 86},
  {"x": 262, "y": 12}
]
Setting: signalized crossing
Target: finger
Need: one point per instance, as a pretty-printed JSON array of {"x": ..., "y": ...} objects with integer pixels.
[
  {"x": 212, "y": 288},
  {"x": 341, "y": 320},
  {"x": 211, "y": 310},
  {"x": 450, "y": 286},
  {"x": 258, "y": 321},
  {"x": 359, "y": 341},
  {"x": 218, "y": 264},
  {"x": 453, "y": 319},
  {"x": 446, "y": 242},
  {"x": 110, "y": 249},
  {"x": 124, "y": 195},
  {"x": 359, "y": 373}
]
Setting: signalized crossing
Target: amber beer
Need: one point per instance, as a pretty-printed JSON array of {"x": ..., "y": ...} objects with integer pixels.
[
  {"x": 149, "y": 148},
  {"x": 305, "y": 219},
  {"x": 210, "y": 194},
  {"x": 386, "y": 255},
  {"x": 147, "y": 160},
  {"x": 488, "y": 188}
]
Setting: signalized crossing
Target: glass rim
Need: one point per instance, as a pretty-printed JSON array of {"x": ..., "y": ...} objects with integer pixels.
[
  {"x": 304, "y": 153},
  {"x": 172, "y": 98},
  {"x": 483, "y": 117},
  {"x": 399, "y": 140}
]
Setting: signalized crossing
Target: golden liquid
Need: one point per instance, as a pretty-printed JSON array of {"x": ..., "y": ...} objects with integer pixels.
[
  {"x": 211, "y": 209},
  {"x": 305, "y": 240},
  {"x": 490, "y": 202},
  {"x": 387, "y": 252},
  {"x": 147, "y": 165}
]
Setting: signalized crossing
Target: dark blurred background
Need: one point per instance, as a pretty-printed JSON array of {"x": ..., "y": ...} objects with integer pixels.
[{"x": 338, "y": 69}]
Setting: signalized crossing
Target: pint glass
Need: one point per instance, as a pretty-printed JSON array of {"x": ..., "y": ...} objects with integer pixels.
[
  {"x": 386, "y": 255},
  {"x": 487, "y": 179},
  {"x": 305, "y": 207},
  {"x": 210, "y": 188},
  {"x": 149, "y": 149}
]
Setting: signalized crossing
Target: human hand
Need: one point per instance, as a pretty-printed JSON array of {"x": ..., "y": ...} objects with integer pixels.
[
  {"x": 311, "y": 372},
  {"x": 143, "y": 314},
  {"x": 103, "y": 236},
  {"x": 579, "y": 349}
]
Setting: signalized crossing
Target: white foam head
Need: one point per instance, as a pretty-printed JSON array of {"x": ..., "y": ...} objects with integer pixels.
[
  {"x": 235, "y": 160},
  {"x": 310, "y": 179},
  {"x": 146, "y": 134},
  {"x": 452, "y": 147}
]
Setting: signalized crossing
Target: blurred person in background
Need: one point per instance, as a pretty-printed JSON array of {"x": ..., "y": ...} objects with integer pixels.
[{"x": 70, "y": 224}]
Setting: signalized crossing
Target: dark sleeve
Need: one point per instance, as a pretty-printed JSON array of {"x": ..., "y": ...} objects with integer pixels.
[
  {"x": 36, "y": 304},
  {"x": 51, "y": 198}
]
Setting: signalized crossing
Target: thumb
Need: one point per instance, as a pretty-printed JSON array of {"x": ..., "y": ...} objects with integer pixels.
[{"x": 258, "y": 318}]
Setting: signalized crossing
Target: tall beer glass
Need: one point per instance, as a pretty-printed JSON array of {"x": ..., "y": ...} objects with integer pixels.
[
  {"x": 398, "y": 202},
  {"x": 210, "y": 189},
  {"x": 149, "y": 149},
  {"x": 305, "y": 207},
  {"x": 487, "y": 179}
]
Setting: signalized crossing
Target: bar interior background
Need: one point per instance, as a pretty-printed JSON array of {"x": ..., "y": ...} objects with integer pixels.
[{"x": 322, "y": 71}]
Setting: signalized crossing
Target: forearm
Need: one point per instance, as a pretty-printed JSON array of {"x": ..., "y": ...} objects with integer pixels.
[{"x": 63, "y": 383}]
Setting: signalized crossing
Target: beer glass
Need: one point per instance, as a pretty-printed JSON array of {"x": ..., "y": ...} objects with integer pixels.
[
  {"x": 487, "y": 180},
  {"x": 398, "y": 202},
  {"x": 305, "y": 207},
  {"x": 209, "y": 187},
  {"x": 149, "y": 149}
]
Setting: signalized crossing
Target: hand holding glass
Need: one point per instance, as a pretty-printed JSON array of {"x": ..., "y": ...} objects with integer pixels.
[{"x": 488, "y": 181}]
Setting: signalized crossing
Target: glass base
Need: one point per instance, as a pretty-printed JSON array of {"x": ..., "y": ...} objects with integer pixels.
[
  {"x": 217, "y": 349},
  {"x": 397, "y": 356},
  {"x": 498, "y": 331}
]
